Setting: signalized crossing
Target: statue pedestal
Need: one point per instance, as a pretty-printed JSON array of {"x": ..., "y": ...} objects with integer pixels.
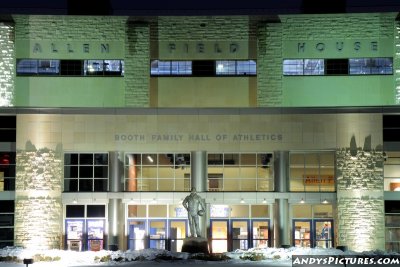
[{"x": 195, "y": 245}]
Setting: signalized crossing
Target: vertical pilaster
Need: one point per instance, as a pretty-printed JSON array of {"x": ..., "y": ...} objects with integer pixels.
[
  {"x": 281, "y": 210},
  {"x": 7, "y": 66}
]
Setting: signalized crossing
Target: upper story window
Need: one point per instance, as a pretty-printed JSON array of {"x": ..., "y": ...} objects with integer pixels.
[
  {"x": 76, "y": 67},
  {"x": 312, "y": 171},
  {"x": 203, "y": 68},
  {"x": 86, "y": 172},
  {"x": 157, "y": 172},
  {"x": 240, "y": 172},
  {"x": 338, "y": 66},
  {"x": 170, "y": 68},
  {"x": 236, "y": 67}
]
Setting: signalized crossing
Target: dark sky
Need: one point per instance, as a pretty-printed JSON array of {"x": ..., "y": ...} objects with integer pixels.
[{"x": 195, "y": 7}]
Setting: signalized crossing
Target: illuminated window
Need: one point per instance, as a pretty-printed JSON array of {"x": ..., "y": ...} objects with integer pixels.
[
  {"x": 235, "y": 67},
  {"x": 361, "y": 66},
  {"x": 303, "y": 67},
  {"x": 170, "y": 68},
  {"x": 85, "y": 172},
  {"x": 391, "y": 171},
  {"x": 312, "y": 171},
  {"x": 157, "y": 172},
  {"x": 7, "y": 171},
  {"x": 240, "y": 172}
]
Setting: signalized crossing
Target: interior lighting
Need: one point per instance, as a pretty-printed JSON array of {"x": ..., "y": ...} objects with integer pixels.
[
  {"x": 242, "y": 201},
  {"x": 302, "y": 201},
  {"x": 325, "y": 201},
  {"x": 264, "y": 201},
  {"x": 220, "y": 67},
  {"x": 150, "y": 158},
  {"x": 74, "y": 201}
]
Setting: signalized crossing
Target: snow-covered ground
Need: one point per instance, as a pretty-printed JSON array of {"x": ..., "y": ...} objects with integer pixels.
[{"x": 152, "y": 257}]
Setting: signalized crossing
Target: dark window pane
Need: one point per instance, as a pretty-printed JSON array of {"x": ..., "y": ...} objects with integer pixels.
[
  {"x": 86, "y": 159},
  {"x": 7, "y": 135},
  {"x": 8, "y": 171},
  {"x": 9, "y": 184},
  {"x": 101, "y": 159},
  {"x": 75, "y": 211},
  {"x": 392, "y": 206},
  {"x": 7, "y": 158},
  {"x": 85, "y": 171},
  {"x": 71, "y": 159},
  {"x": 6, "y": 233},
  {"x": 100, "y": 171},
  {"x": 71, "y": 67},
  {"x": 6, "y": 219},
  {"x": 71, "y": 171},
  {"x": 9, "y": 122},
  {"x": 71, "y": 185},
  {"x": 100, "y": 185},
  {"x": 203, "y": 68},
  {"x": 337, "y": 66},
  {"x": 86, "y": 185},
  {"x": 6, "y": 206},
  {"x": 4, "y": 244},
  {"x": 96, "y": 211}
]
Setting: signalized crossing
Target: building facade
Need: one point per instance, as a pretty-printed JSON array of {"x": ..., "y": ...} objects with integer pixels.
[{"x": 286, "y": 125}]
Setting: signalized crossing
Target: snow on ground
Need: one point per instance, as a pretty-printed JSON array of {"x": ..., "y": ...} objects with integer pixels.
[{"x": 154, "y": 257}]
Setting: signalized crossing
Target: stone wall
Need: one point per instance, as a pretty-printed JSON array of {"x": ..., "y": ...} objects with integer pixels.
[
  {"x": 360, "y": 197},
  {"x": 396, "y": 62},
  {"x": 269, "y": 65},
  {"x": 137, "y": 65},
  {"x": 7, "y": 65},
  {"x": 38, "y": 206}
]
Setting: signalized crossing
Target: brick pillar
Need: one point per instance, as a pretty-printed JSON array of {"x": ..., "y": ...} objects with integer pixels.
[{"x": 7, "y": 66}]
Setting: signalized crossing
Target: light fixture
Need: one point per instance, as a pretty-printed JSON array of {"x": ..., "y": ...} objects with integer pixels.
[
  {"x": 302, "y": 201},
  {"x": 150, "y": 158},
  {"x": 242, "y": 201},
  {"x": 154, "y": 200},
  {"x": 74, "y": 201},
  {"x": 325, "y": 201},
  {"x": 264, "y": 201}
]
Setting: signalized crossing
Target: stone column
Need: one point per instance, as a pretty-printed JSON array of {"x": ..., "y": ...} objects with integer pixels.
[
  {"x": 38, "y": 205},
  {"x": 7, "y": 68},
  {"x": 115, "y": 210},
  {"x": 282, "y": 236},
  {"x": 360, "y": 198},
  {"x": 199, "y": 181}
]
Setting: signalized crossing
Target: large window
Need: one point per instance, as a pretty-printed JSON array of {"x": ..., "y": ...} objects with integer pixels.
[
  {"x": 76, "y": 67},
  {"x": 203, "y": 68},
  {"x": 7, "y": 171},
  {"x": 312, "y": 171},
  {"x": 85, "y": 172},
  {"x": 391, "y": 171},
  {"x": 157, "y": 172},
  {"x": 240, "y": 172},
  {"x": 338, "y": 66},
  {"x": 6, "y": 223}
]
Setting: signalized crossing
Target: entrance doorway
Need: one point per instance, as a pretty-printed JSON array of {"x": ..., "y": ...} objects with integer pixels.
[{"x": 302, "y": 233}]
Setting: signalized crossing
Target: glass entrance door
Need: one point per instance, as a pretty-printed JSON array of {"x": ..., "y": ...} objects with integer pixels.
[
  {"x": 302, "y": 233},
  {"x": 240, "y": 234},
  {"x": 137, "y": 234},
  {"x": 95, "y": 231},
  {"x": 74, "y": 234},
  {"x": 177, "y": 232},
  {"x": 323, "y": 234},
  {"x": 260, "y": 233},
  {"x": 219, "y": 236},
  {"x": 158, "y": 234}
]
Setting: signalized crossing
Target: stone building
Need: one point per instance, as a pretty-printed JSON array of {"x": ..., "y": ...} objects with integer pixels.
[{"x": 287, "y": 125}]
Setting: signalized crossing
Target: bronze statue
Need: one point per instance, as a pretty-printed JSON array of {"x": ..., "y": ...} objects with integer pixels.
[{"x": 195, "y": 207}]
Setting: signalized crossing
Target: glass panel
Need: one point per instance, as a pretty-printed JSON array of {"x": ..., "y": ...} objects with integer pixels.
[
  {"x": 219, "y": 230},
  {"x": 101, "y": 171},
  {"x": 96, "y": 211},
  {"x": 137, "y": 235},
  {"x": 302, "y": 236},
  {"x": 100, "y": 185},
  {"x": 323, "y": 234},
  {"x": 94, "y": 67},
  {"x": 157, "y": 211},
  {"x": 219, "y": 211},
  {"x": 6, "y": 220},
  {"x": 259, "y": 211},
  {"x": 85, "y": 171},
  {"x": 181, "y": 67},
  {"x": 101, "y": 159},
  {"x": 71, "y": 185},
  {"x": 240, "y": 211},
  {"x": 136, "y": 210},
  {"x": 149, "y": 159},
  {"x": 392, "y": 220},
  {"x": 302, "y": 211},
  {"x": 240, "y": 235},
  {"x": 246, "y": 67},
  {"x": 314, "y": 67},
  {"x": 74, "y": 234},
  {"x": 293, "y": 67},
  {"x": 322, "y": 211},
  {"x": 95, "y": 232},
  {"x": 86, "y": 159},
  {"x": 49, "y": 67},
  {"x": 27, "y": 66},
  {"x": 112, "y": 67},
  {"x": 71, "y": 172},
  {"x": 86, "y": 185},
  {"x": 71, "y": 159},
  {"x": 75, "y": 211},
  {"x": 157, "y": 234},
  {"x": 225, "y": 67},
  {"x": 260, "y": 234},
  {"x": 177, "y": 234},
  {"x": 166, "y": 185},
  {"x": 177, "y": 211}
]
